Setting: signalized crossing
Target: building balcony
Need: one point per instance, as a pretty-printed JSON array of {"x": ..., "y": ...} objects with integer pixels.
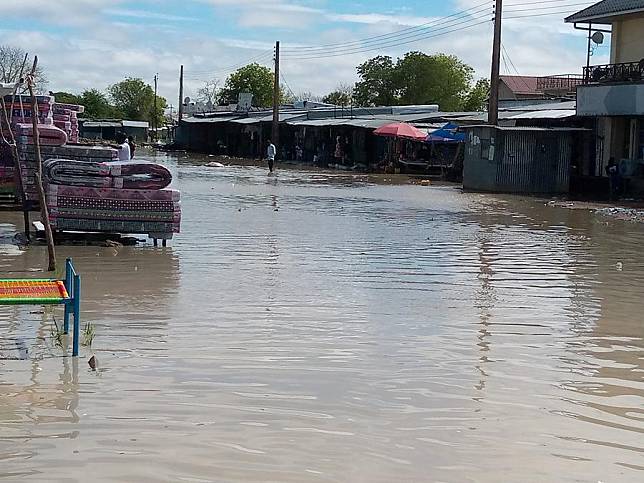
[{"x": 614, "y": 73}]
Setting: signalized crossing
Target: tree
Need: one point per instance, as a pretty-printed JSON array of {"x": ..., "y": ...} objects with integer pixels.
[
  {"x": 433, "y": 79},
  {"x": 96, "y": 105},
  {"x": 12, "y": 64},
  {"x": 134, "y": 100},
  {"x": 253, "y": 78},
  {"x": 476, "y": 99},
  {"x": 209, "y": 92},
  {"x": 309, "y": 96},
  {"x": 341, "y": 96},
  {"x": 376, "y": 85},
  {"x": 66, "y": 97}
]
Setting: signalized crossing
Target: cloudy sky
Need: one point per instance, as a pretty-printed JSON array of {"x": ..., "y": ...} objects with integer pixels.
[{"x": 93, "y": 43}]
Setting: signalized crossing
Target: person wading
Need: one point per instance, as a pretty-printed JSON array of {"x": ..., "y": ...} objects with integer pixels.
[
  {"x": 130, "y": 141},
  {"x": 270, "y": 155},
  {"x": 123, "y": 147}
]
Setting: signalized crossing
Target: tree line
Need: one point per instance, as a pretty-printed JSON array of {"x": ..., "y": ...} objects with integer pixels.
[
  {"x": 415, "y": 78},
  {"x": 132, "y": 98}
]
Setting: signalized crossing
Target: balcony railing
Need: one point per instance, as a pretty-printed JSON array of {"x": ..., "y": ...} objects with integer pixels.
[
  {"x": 614, "y": 73},
  {"x": 559, "y": 83}
]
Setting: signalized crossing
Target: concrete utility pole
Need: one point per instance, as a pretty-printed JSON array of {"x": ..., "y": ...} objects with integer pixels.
[
  {"x": 493, "y": 108},
  {"x": 181, "y": 94},
  {"x": 276, "y": 98}
]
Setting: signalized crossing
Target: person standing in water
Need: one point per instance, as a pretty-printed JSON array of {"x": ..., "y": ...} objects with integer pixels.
[
  {"x": 123, "y": 147},
  {"x": 270, "y": 155},
  {"x": 130, "y": 141}
]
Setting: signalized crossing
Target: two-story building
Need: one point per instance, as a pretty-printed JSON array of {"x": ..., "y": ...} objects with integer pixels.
[{"x": 614, "y": 93}]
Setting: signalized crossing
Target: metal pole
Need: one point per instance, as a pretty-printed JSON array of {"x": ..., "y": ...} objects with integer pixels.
[
  {"x": 181, "y": 94},
  {"x": 69, "y": 288},
  {"x": 77, "y": 295},
  {"x": 276, "y": 97},
  {"x": 587, "y": 73},
  {"x": 493, "y": 108}
]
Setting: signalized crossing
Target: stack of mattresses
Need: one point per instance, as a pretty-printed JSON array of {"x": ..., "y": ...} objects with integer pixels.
[
  {"x": 85, "y": 154},
  {"x": 19, "y": 109},
  {"x": 66, "y": 118},
  {"x": 156, "y": 213},
  {"x": 7, "y": 171},
  {"x": 133, "y": 175}
]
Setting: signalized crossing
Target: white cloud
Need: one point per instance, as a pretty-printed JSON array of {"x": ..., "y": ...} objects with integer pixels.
[{"x": 144, "y": 14}]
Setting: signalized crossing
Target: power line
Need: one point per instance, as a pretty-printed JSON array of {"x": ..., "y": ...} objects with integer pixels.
[
  {"x": 466, "y": 24},
  {"x": 565, "y": 12},
  {"x": 391, "y": 35},
  {"x": 544, "y": 8}
]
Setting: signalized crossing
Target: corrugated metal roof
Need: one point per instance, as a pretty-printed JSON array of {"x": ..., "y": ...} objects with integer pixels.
[
  {"x": 521, "y": 84},
  {"x": 550, "y": 106},
  {"x": 126, "y": 123},
  {"x": 525, "y": 128},
  {"x": 604, "y": 11},
  {"x": 208, "y": 120},
  {"x": 90, "y": 124},
  {"x": 554, "y": 114}
]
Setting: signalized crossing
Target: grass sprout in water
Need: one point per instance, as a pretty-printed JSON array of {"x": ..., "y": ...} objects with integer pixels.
[{"x": 89, "y": 332}]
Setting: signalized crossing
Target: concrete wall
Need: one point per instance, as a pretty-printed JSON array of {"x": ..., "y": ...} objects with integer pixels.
[{"x": 627, "y": 40}]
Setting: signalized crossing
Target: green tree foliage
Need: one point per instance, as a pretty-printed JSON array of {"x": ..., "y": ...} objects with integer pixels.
[
  {"x": 66, "y": 97},
  {"x": 134, "y": 100},
  {"x": 376, "y": 86},
  {"x": 433, "y": 79},
  {"x": 418, "y": 78},
  {"x": 477, "y": 98},
  {"x": 96, "y": 105},
  {"x": 341, "y": 96},
  {"x": 253, "y": 78}
]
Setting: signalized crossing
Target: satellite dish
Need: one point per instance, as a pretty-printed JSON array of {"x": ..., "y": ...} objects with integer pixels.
[
  {"x": 598, "y": 38},
  {"x": 186, "y": 100}
]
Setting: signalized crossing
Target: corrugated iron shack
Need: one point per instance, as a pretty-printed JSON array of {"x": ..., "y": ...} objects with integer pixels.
[{"x": 529, "y": 160}]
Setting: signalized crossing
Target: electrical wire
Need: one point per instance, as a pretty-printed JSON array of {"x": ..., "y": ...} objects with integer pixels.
[
  {"x": 564, "y": 12},
  {"x": 463, "y": 25},
  {"x": 391, "y": 35},
  {"x": 543, "y": 8}
]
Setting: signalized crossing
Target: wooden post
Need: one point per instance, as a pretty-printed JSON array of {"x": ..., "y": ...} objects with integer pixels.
[
  {"x": 275, "y": 134},
  {"x": 44, "y": 212},
  {"x": 493, "y": 108},
  {"x": 181, "y": 95},
  {"x": 11, "y": 142}
]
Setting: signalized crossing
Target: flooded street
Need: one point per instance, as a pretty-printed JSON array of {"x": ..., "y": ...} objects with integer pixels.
[{"x": 319, "y": 327}]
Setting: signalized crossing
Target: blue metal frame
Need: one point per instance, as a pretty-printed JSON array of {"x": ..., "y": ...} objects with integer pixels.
[{"x": 72, "y": 304}]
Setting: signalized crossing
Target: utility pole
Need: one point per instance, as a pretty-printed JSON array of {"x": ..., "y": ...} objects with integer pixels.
[
  {"x": 276, "y": 98},
  {"x": 154, "y": 114},
  {"x": 181, "y": 94},
  {"x": 493, "y": 108}
]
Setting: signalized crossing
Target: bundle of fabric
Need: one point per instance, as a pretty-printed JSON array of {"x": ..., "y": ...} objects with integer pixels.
[
  {"x": 126, "y": 174},
  {"x": 19, "y": 108},
  {"x": 86, "y": 154},
  {"x": 113, "y": 210}
]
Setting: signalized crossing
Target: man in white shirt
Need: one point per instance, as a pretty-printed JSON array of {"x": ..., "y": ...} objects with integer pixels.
[
  {"x": 123, "y": 147},
  {"x": 270, "y": 155}
]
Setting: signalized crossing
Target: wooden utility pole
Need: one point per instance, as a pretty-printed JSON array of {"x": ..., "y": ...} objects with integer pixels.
[
  {"x": 44, "y": 212},
  {"x": 154, "y": 113},
  {"x": 181, "y": 94},
  {"x": 493, "y": 108},
  {"x": 276, "y": 98}
]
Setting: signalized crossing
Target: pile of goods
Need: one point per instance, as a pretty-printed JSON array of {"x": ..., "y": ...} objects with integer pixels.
[{"x": 87, "y": 189}]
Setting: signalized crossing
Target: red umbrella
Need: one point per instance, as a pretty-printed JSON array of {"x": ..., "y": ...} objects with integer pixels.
[{"x": 401, "y": 130}]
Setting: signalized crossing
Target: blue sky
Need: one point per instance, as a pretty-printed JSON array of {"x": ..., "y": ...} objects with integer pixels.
[{"x": 93, "y": 43}]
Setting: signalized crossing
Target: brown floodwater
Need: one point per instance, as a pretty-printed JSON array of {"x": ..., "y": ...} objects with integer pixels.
[{"x": 316, "y": 327}]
